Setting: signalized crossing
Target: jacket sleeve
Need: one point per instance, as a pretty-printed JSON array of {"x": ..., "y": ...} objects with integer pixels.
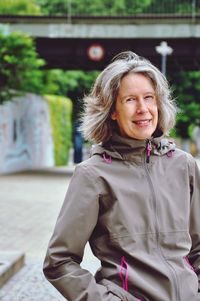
[
  {"x": 74, "y": 226},
  {"x": 194, "y": 255}
]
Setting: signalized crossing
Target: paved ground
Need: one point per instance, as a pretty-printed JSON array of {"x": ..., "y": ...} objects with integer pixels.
[{"x": 30, "y": 203}]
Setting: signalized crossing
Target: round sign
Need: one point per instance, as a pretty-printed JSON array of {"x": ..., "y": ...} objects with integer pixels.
[{"x": 95, "y": 52}]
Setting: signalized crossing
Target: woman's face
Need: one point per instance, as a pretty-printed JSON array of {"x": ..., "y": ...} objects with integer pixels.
[{"x": 136, "y": 111}]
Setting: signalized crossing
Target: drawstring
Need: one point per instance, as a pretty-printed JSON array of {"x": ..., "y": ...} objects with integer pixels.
[
  {"x": 124, "y": 265},
  {"x": 149, "y": 148},
  {"x": 169, "y": 154},
  {"x": 108, "y": 159}
]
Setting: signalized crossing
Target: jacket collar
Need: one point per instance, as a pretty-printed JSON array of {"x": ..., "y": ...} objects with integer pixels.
[{"x": 129, "y": 149}]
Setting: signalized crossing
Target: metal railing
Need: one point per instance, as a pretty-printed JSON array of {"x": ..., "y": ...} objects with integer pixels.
[
  {"x": 155, "y": 7},
  {"x": 136, "y": 10}
]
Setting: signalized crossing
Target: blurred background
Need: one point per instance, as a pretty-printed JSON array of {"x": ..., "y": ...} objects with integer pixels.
[{"x": 50, "y": 55}]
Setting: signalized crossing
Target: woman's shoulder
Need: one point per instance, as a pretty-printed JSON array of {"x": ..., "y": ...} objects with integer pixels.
[
  {"x": 186, "y": 158},
  {"x": 90, "y": 167},
  {"x": 184, "y": 155}
]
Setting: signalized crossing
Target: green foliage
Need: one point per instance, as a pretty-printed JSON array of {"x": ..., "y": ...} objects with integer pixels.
[
  {"x": 95, "y": 7},
  {"x": 60, "y": 114},
  {"x": 187, "y": 90},
  {"x": 170, "y": 7},
  {"x": 19, "y": 7},
  {"x": 19, "y": 66},
  {"x": 74, "y": 84},
  {"x": 109, "y": 7},
  {"x": 54, "y": 7}
]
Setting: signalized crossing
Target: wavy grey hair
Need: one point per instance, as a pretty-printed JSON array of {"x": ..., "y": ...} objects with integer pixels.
[{"x": 97, "y": 124}]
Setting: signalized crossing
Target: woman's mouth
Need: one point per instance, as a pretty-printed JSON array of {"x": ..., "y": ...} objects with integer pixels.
[{"x": 144, "y": 122}]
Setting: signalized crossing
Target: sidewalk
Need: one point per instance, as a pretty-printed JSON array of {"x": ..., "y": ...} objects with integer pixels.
[{"x": 30, "y": 203}]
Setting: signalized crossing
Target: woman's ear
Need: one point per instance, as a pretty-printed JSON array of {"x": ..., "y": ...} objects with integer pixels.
[{"x": 113, "y": 115}]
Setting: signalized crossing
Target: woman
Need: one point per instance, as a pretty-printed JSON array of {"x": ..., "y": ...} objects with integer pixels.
[{"x": 136, "y": 200}]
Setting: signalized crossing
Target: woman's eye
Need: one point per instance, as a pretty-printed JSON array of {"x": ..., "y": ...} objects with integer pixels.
[
  {"x": 129, "y": 100},
  {"x": 149, "y": 97}
]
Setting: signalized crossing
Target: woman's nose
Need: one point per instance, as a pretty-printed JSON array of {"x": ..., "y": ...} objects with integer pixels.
[{"x": 141, "y": 106}]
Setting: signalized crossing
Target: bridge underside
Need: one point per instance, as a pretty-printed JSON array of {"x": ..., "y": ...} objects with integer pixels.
[{"x": 72, "y": 54}]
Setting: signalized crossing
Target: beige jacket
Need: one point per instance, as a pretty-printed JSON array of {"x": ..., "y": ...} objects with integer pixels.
[{"x": 142, "y": 221}]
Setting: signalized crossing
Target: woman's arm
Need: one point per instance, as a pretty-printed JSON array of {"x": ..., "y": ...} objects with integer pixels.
[
  {"x": 194, "y": 255},
  {"x": 73, "y": 229}
]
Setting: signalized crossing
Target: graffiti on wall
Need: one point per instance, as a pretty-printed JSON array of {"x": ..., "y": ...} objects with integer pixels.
[{"x": 25, "y": 134}]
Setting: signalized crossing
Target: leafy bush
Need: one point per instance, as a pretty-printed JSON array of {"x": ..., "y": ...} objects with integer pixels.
[
  {"x": 19, "y": 7},
  {"x": 19, "y": 66},
  {"x": 60, "y": 115},
  {"x": 75, "y": 84},
  {"x": 186, "y": 87},
  {"x": 95, "y": 7}
]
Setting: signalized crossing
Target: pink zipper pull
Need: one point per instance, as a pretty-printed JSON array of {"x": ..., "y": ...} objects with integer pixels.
[
  {"x": 108, "y": 159},
  {"x": 149, "y": 148}
]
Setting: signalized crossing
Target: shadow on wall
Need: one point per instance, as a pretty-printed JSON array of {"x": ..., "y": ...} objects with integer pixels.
[{"x": 25, "y": 134}]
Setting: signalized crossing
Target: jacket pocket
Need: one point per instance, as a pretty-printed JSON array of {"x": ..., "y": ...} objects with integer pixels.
[
  {"x": 112, "y": 297},
  {"x": 117, "y": 292},
  {"x": 122, "y": 297}
]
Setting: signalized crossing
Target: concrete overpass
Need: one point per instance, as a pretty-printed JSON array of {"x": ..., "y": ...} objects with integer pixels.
[{"x": 90, "y": 42}]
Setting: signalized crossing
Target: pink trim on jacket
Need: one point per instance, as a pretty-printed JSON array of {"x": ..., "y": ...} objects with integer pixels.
[{"x": 187, "y": 261}]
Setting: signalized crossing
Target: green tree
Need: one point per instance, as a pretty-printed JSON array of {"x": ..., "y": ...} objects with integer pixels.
[
  {"x": 20, "y": 66},
  {"x": 74, "y": 84},
  {"x": 53, "y": 7},
  {"x": 136, "y": 6},
  {"x": 172, "y": 7},
  {"x": 95, "y": 7},
  {"x": 19, "y": 7},
  {"x": 187, "y": 92}
]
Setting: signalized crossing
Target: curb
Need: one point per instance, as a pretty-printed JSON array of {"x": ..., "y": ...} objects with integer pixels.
[
  {"x": 10, "y": 264},
  {"x": 61, "y": 170}
]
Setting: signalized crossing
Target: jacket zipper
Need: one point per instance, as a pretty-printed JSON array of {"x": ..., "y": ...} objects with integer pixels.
[
  {"x": 168, "y": 265},
  {"x": 148, "y": 150}
]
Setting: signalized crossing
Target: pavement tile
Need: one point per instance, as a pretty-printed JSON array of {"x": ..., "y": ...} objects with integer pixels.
[
  {"x": 10, "y": 263},
  {"x": 30, "y": 203},
  {"x": 29, "y": 284}
]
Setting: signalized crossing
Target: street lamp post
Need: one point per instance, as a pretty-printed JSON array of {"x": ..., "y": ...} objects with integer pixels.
[{"x": 164, "y": 50}]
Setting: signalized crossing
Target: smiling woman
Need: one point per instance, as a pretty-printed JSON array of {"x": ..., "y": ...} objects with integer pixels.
[{"x": 138, "y": 197}]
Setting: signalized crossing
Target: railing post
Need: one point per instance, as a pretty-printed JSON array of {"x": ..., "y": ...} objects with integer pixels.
[
  {"x": 69, "y": 12},
  {"x": 193, "y": 11}
]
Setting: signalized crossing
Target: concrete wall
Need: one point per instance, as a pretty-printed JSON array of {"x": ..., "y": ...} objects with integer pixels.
[{"x": 25, "y": 134}]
